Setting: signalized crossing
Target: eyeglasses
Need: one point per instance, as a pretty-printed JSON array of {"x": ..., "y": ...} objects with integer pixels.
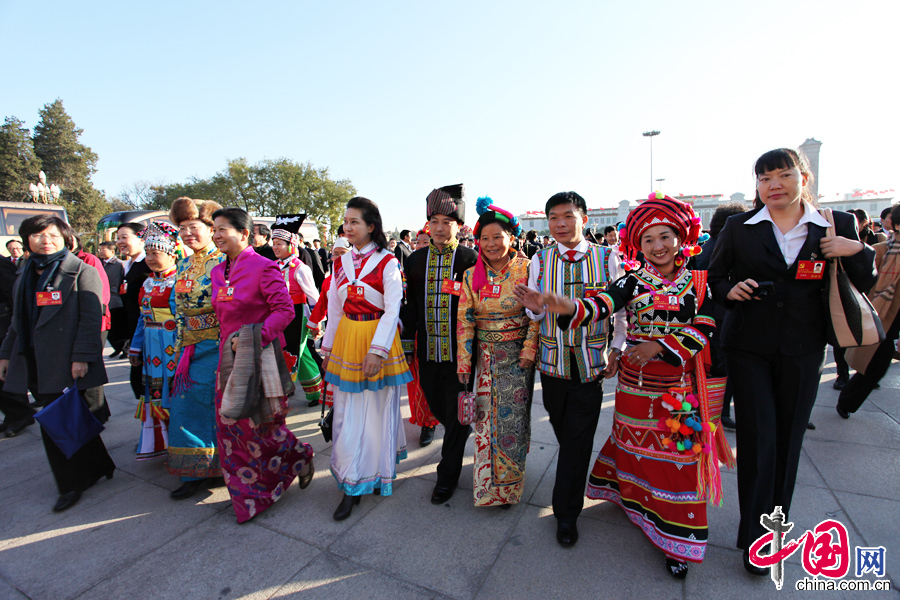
[{"x": 45, "y": 236}]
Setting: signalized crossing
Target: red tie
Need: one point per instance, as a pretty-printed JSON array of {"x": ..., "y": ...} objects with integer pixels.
[{"x": 570, "y": 255}]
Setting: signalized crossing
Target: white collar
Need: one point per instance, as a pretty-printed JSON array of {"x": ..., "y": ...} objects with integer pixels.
[
  {"x": 582, "y": 247},
  {"x": 365, "y": 249},
  {"x": 810, "y": 215}
]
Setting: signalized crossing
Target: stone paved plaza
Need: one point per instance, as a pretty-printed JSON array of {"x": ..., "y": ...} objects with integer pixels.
[{"x": 127, "y": 539}]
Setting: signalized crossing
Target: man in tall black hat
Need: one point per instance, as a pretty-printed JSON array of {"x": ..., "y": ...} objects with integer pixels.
[{"x": 429, "y": 316}]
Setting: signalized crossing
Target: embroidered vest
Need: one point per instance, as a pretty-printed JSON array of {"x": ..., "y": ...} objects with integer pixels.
[{"x": 585, "y": 347}]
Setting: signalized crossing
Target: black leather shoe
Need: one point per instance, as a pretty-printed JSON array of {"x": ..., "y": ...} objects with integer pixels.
[
  {"x": 840, "y": 383},
  {"x": 94, "y": 482},
  {"x": 187, "y": 489},
  {"x": 345, "y": 508},
  {"x": 811, "y": 426},
  {"x": 66, "y": 501},
  {"x": 728, "y": 423},
  {"x": 676, "y": 568},
  {"x": 427, "y": 436},
  {"x": 313, "y": 402},
  {"x": 442, "y": 493},
  {"x": 114, "y": 355},
  {"x": 4, "y": 426},
  {"x": 844, "y": 414},
  {"x": 304, "y": 480},
  {"x": 566, "y": 534},
  {"x": 18, "y": 427},
  {"x": 753, "y": 569}
]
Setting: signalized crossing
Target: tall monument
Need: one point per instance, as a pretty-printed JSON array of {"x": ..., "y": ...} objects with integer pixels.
[{"x": 811, "y": 149}]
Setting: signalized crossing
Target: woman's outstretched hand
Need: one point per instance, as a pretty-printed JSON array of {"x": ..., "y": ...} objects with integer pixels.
[{"x": 537, "y": 302}]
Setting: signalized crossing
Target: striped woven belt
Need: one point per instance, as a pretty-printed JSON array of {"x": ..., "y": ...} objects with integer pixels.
[
  {"x": 364, "y": 317},
  {"x": 492, "y": 335}
]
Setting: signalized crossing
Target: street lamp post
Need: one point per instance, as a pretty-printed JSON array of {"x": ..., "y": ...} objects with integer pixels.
[
  {"x": 43, "y": 192},
  {"x": 651, "y": 135},
  {"x": 660, "y": 182}
]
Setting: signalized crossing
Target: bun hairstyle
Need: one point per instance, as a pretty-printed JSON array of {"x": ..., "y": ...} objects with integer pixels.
[{"x": 187, "y": 209}]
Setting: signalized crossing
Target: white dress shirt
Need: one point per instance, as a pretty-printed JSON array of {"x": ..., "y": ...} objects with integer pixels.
[{"x": 791, "y": 242}]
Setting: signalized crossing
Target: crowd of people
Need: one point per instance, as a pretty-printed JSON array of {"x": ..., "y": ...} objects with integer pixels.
[{"x": 220, "y": 316}]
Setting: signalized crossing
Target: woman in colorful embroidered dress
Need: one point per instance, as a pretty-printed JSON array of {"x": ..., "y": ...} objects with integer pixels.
[
  {"x": 193, "y": 450},
  {"x": 364, "y": 360},
  {"x": 493, "y": 325},
  {"x": 420, "y": 414},
  {"x": 153, "y": 342},
  {"x": 661, "y": 462},
  {"x": 258, "y": 462},
  {"x": 298, "y": 278}
]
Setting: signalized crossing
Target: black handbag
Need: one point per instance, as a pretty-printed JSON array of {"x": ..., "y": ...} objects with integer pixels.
[{"x": 325, "y": 422}]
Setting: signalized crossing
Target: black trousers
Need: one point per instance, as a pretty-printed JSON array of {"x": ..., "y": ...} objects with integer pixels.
[
  {"x": 840, "y": 363},
  {"x": 14, "y": 407},
  {"x": 441, "y": 387},
  {"x": 574, "y": 409},
  {"x": 773, "y": 398},
  {"x": 86, "y": 466},
  {"x": 861, "y": 384},
  {"x": 118, "y": 332},
  {"x": 311, "y": 347}
]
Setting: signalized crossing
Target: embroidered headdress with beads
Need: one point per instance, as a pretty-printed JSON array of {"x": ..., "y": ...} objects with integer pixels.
[
  {"x": 660, "y": 209},
  {"x": 163, "y": 236}
]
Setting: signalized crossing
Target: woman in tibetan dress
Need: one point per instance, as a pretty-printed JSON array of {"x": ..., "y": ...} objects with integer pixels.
[
  {"x": 493, "y": 325},
  {"x": 153, "y": 342},
  {"x": 259, "y": 461},
  {"x": 193, "y": 449},
  {"x": 661, "y": 462},
  {"x": 365, "y": 361}
]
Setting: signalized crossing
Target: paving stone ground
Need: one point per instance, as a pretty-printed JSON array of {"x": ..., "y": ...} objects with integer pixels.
[{"x": 127, "y": 539}]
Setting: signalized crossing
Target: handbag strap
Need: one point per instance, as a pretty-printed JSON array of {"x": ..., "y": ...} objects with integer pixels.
[{"x": 831, "y": 232}]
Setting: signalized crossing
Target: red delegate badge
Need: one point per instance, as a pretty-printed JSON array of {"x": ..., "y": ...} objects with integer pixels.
[
  {"x": 490, "y": 291},
  {"x": 49, "y": 298},
  {"x": 225, "y": 294},
  {"x": 123, "y": 288},
  {"x": 592, "y": 292},
  {"x": 183, "y": 286},
  {"x": 448, "y": 286},
  {"x": 356, "y": 292},
  {"x": 665, "y": 302},
  {"x": 810, "y": 269}
]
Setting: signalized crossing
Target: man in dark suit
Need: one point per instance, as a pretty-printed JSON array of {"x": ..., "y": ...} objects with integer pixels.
[
  {"x": 260, "y": 239},
  {"x": 403, "y": 249},
  {"x": 136, "y": 271},
  {"x": 17, "y": 414},
  {"x": 311, "y": 258},
  {"x": 429, "y": 318},
  {"x": 115, "y": 272},
  {"x": 323, "y": 255}
]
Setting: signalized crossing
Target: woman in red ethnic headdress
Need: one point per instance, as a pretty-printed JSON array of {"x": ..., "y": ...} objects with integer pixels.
[{"x": 661, "y": 462}]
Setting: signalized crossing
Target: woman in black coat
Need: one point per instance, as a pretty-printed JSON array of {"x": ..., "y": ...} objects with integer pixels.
[
  {"x": 775, "y": 345},
  {"x": 54, "y": 342}
]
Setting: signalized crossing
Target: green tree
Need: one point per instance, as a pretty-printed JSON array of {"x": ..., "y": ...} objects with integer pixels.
[
  {"x": 70, "y": 164},
  {"x": 18, "y": 164}
]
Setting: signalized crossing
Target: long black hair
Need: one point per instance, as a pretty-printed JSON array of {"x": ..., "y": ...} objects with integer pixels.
[
  {"x": 371, "y": 216},
  {"x": 785, "y": 158},
  {"x": 237, "y": 217}
]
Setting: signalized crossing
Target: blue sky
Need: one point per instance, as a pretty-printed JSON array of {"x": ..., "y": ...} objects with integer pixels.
[{"x": 518, "y": 100}]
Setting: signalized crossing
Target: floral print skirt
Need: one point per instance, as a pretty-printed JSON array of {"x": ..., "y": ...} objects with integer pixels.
[{"x": 258, "y": 463}]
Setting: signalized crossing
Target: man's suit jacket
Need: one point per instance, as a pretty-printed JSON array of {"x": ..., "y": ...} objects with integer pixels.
[
  {"x": 115, "y": 272},
  {"x": 311, "y": 259},
  {"x": 135, "y": 277},
  {"x": 794, "y": 320},
  {"x": 402, "y": 252}
]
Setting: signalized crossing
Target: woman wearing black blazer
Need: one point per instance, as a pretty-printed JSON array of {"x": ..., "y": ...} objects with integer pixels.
[{"x": 775, "y": 345}]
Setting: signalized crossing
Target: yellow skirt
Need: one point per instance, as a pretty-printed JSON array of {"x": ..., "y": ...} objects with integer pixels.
[{"x": 351, "y": 344}]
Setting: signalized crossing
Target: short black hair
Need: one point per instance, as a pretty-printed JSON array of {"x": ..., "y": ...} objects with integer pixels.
[
  {"x": 300, "y": 235},
  {"x": 237, "y": 217},
  {"x": 404, "y": 233},
  {"x": 137, "y": 228},
  {"x": 607, "y": 229},
  {"x": 263, "y": 230},
  {"x": 886, "y": 212},
  {"x": 110, "y": 245},
  {"x": 340, "y": 229},
  {"x": 39, "y": 223},
  {"x": 531, "y": 235},
  {"x": 566, "y": 198},
  {"x": 23, "y": 245},
  {"x": 895, "y": 217},
  {"x": 717, "y": 222}
]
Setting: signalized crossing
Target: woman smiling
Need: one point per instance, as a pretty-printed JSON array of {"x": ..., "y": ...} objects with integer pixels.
[{"x": 493, "y": 326}]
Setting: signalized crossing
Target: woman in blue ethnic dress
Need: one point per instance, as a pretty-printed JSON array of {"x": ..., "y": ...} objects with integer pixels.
[
  {"x": 661, "y": 462},
  {"x": 193, "y": 450},
  {"x": 153, "y": 342},
  {"x": 493, "y": 326}
]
